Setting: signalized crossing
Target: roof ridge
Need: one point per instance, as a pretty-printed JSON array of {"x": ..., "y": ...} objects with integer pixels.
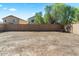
[{"x": 14, "y": 16}]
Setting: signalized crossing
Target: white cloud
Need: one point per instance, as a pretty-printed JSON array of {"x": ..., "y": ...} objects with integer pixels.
[
  {"x": 12, "y": 9},
  {"x": 33, "y": 13},
  {"x": 0, "y": 5}
]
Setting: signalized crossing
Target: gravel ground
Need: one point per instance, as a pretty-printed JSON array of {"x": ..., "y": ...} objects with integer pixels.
[{"x": 39, "y": 44}]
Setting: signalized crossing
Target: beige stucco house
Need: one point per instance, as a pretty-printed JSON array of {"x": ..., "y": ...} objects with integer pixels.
[{"x": 13, "y": 20}]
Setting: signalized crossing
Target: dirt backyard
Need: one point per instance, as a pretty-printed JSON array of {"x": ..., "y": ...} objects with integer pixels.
[{"x": 38, "y": 44}]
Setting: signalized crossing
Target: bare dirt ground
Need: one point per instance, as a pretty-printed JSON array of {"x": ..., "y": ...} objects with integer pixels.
[{"x": 39, "y": 44}]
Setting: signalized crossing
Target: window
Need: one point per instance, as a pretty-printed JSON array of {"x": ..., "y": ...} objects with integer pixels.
[
  {"x": 13, "y": 20},
  {"x": 4, "y": 20},
  {"x": 32, "y": 21}
]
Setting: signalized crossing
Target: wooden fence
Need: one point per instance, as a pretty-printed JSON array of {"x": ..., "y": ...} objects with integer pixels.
[
  {"x": 75, "y": 28},
  {"x": 28, "y": 27}
]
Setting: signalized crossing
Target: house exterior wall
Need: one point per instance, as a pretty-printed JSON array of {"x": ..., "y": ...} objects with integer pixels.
[
  {"x": 23, "y": 22},
  {"x": 10, "y": 20},
  {"x": 13, "y": 20},
  {"x": 31, "y": 20}
]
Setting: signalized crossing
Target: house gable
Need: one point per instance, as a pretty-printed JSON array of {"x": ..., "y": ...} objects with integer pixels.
[{"x": 13, "y": 20}]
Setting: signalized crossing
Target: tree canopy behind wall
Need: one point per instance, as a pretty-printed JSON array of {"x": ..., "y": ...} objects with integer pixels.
[{"x": 58, "y": 13}]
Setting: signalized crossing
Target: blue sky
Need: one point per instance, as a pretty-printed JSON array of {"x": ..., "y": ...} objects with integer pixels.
[{"x": 24, "y": 10}]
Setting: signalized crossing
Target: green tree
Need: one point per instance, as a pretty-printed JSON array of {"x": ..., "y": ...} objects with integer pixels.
[
  {"x": 47, "y": 15},
  {"x": 57, "y": 12},
  {"x": 63, "y": 14},
  {"x": 47, "y": 19},
  {"x": 47, "y": 9},
  {"x": 38, "y": 18},
  {"x": 76, "y": 19}
]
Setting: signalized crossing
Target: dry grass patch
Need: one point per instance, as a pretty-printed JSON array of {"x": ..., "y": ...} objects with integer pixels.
[{"x": 38, "y": 43}]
